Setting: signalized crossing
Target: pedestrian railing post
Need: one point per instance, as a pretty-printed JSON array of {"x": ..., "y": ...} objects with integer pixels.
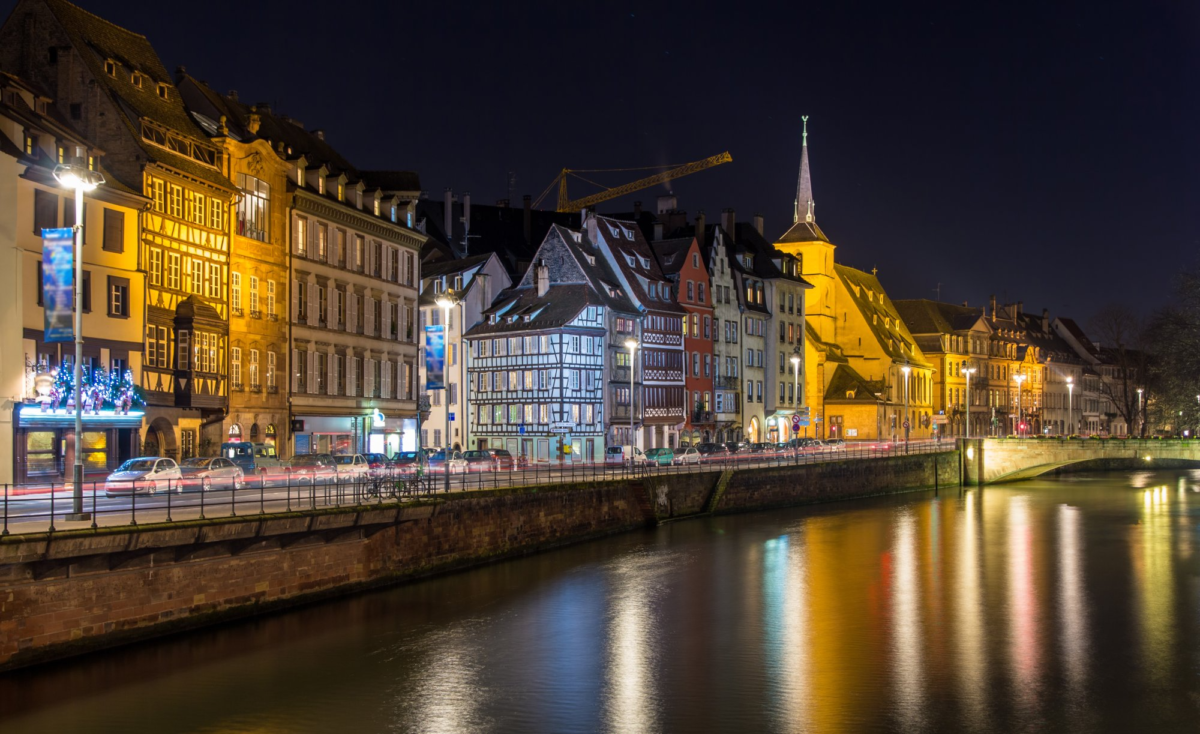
[
  {"x": 7, "y": 489},
  {"x": 262, "y": 493},
  {"x": 95, "y": 510},
  {"x": 233, "y": 501},
  {"x": 133, "y": 503},
  {"x": 169, "y": 493},
  {"x": 52, "y": 507}
]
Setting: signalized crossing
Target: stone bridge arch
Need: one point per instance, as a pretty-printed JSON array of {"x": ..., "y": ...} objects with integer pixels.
[{"x": 994, "y": 461}]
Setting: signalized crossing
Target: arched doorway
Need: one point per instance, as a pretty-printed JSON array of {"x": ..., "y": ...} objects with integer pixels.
[
  {"x": 235, "y": 433},
  {"x": 254, "y": 433},
  {"x": 160, "y": 439},
  {"x": 271, "y": 433},
  {"x": 752, "y": 431}
]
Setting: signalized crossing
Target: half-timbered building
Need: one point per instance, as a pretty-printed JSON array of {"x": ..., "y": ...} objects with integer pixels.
[
  {"x": 111, "y": 84},
  {"x": 660, "y": 326},
  {"x": 537, "y": 367}
]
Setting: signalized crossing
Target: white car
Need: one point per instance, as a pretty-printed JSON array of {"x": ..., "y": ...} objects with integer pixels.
[
  {"x": 352, "y": 467},
  {"x": 208, "y": 473},
  {"x": 687, "y": 455},
  {"x": 146, "y": 474}
]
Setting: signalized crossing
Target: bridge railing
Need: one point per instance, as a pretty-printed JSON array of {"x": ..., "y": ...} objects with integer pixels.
[{"x": 51, "y": 508}]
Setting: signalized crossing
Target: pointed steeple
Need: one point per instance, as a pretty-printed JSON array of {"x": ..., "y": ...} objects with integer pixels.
[{"x": 805, "y": 208}]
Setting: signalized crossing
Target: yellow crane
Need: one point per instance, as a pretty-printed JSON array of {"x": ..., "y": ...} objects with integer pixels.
[{"x": 566, "y": 204}]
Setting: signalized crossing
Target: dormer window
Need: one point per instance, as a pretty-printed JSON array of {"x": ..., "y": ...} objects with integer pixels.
[
  {"x": 110, "y": 68},
  {"x": 341, "y": 191},
  {"x": 91, "y": 162},
  {"x": 31, "y": 144},
  {"x": 358, "y": 199},
  {"x": 320, "y": 183},
  {"x": 377, "y": 205},
  {"x": 393, "y": 213},
  {"x": 437, "y": 286},
  {"x": 136, "y": 79},
  {"x": 163, "y": 90},
  {"x": 300, "y": 174}
]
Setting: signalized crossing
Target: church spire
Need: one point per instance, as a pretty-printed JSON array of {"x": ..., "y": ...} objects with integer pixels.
[{"x": 805, "y": 208}]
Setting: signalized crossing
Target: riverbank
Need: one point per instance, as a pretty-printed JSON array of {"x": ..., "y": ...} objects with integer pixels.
[{"x": 71, "y": 592}]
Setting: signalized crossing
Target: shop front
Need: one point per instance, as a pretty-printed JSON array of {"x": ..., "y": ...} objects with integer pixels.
[
  {"x": 369, "y": 433},
  {"x": 45, "y": 443}
]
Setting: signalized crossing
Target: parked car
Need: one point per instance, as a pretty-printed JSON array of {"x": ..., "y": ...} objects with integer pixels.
[
  {"x": 408, "y": 463},
  {"x": 503, "y": 460},
  {"x": 437, "y": 463},
  {"x": 253, "y": 458},
  {"x": 835, "y": 444},
  {"x": 312, "y": 469},
  {"x": 625, "y": 454},
  {"x": 713, "y": 451},
  {"x": 761, "y": 447},
  {"x": 661, "y": 456},
  {"x": 147, "y": 474},
  {"x": 352, "y": 467},
  {"x": 208, "y": 473},
  {"x": 379, "y": 466},
  {"x": 688, "y": 455},
  {"x": 479, "y": 461}
]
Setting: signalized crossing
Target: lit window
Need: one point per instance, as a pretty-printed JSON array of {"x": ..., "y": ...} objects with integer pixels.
[
  {"x": 110, "y": 68},
  {"x": 162, "y": 90}
]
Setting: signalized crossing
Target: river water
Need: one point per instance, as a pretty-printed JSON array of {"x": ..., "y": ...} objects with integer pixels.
[{"x": 1068, "y": 605}]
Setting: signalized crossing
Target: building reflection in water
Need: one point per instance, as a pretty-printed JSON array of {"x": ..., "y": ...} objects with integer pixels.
[
  {"x": 908, "y": 668},
  {"x": 971, "y": 675},
  {"x": 1024, "y": 652},
  {"x": 1072, "y": 602},
  {"x": 1153, "y": 575},
  {"x": 630, "y": 692},
  {"x": 786, "y": 630}
]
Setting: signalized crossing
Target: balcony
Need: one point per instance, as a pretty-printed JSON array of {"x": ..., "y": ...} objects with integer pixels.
[
  {"x": 256, "y": 314},
  {"x": 236, "y": 387},
  {"x": 255, "y": 387},
  {"x": 620, "y": 374},
  {"x": 272, "y": 389},
  {"x": 273, "y": 317},
  {"x": 702, "y": 416},
  {"x": 236, "y": 311},
  {"x": 729, "y": 383}
]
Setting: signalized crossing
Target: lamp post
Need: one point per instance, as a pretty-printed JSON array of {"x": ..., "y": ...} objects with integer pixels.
[
  {"x": 446, "y": 302},
  {"x": 795, "y": 360},
  {"x": 906, "y": 370},
  {"x": 80, "y": 179},
  {"x": 967, "y": 372},
  {"x": 1141, "y": 429},
  {"x": 632, "y": 346},
  {"x": 1070, "y": 406},
  {"x": 1019, "y": 378}
]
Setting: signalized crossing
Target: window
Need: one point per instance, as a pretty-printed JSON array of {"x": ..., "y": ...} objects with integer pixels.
[
  {"x": 175, "y": 201},
  {"x": 300, "y": 243},
  {"x": 270, "y": 369},
  {"x": 254, "y": 381},
  {"x": 322, "y": 241},
  {"x": 156, "y": 346},
  {"x": 301, "y": 301},
  {"x": 114, "y": 231},
  {"x": 235, "y": 367},
  {"x": 182, "y": 351},
  {"x": 235, "y": 291},
  {"x": 110, "y": 67},
  {"x": 45, "y": 211},
  {"x": 254, "y": 208},
  {"x": 359, "y": 246},
  {"x": 691, "y": 296},
  {"x": 118, "y": 297},
  {"x": 700, "y": 292},
  {"x": 270, "y": 298},
  {"x": 163, "y": 90},
  {"x": 214, "y": 280}
]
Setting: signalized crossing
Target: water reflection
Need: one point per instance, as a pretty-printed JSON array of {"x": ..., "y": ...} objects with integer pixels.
[
  {"x": 971, "y": 674},
  {"x": 785, "y": 633},
  {"x": 1024, "y": 651},
  {"x": 1151, "y": 549},
  {"x": 1072, "y": 604},
  {"x": 908, "y": 669},
  {"x": 448, "y": 686},
  {"x": 630, "y": 696}
]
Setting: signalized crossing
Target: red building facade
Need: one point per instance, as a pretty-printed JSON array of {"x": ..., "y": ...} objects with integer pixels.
[{"x": 682, "y": 263}]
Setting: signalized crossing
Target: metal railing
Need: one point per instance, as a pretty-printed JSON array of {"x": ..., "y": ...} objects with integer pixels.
[{"x": 45, "y": 507}]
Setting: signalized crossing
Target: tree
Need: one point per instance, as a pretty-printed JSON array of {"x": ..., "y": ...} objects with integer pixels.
[
  {"x": 1121, "y": 335},
  {"x": 1174, "y": 337}
]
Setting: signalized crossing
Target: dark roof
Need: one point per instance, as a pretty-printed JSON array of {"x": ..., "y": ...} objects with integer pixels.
[
  {"x": 625, "y": 241},
  {"x": 804, "y": 231},
  {"x": 407, "y": 181},
  {"x": 846, "y": 379},
  {"x": 450, "y": 267},
  {"x": 672, "y": 254},
  {"x": 558, "y": 306},
  {"x": 924, "y": 316},
  {"x": 98, "y": 40},
  {"x": 498, "y": 229}
]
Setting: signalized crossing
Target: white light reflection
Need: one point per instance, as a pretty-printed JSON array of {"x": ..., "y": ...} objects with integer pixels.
[
  {"x": 1073, "y": 604},
  {"x": 449, "y": 691},
  {"x": 630, "y": 693},
  {"x": 908, "y": 669},
  {"x": 786, "y": 636},
  {"x": 1023, "y": 652},
  {"x": 972, "y": 647},
  {"x": 1152, "y": 569}
]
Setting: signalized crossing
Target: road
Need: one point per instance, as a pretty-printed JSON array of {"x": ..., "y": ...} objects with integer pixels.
[{"x": 31, "y": 513}]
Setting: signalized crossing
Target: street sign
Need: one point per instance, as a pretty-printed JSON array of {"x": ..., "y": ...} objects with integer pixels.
[
  {"x": 521, "y": 429},
  {"x": 939, "y": 419},
  {"x": 451, "y": 416}
]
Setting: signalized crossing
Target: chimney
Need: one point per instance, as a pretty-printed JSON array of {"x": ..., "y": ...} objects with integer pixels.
[
  {"x": 1020, "y": 309},
  {"x": 994, "y": 314},
  {"x": 592, "y": 226},
  {"x": 180, "y": 72},
  {"x": 667, "y": 203},
  {"x": 320, "y": 134},
  {"x": 965, "y": 305},
  {"x": 232, "y": 95},
  {"x": 637, "y": 210},
  {"x": 448, "y": 215},
  {"x": 700, "y": 224},
  {"x": 466, "y": 207},
  {"x": 527, "y": 224},
  {"x": 1045, "y": 319},
  {"x": 758, "y": 223},
  {"x": 253, "y": 122},
  {"x": 658, "y": 231},
  {"x": 727, "y": 219},
  {"x": 541, "y": 278}
]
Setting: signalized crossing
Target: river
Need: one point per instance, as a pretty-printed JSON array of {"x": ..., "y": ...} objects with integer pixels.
[{"x": 1070, "y": 604}]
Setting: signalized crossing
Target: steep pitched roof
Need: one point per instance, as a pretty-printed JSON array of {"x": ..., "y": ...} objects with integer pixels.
[
  {"x": 672, "y": 254},
  {"x": 924, "y": 316},
  {"x": 635, "y": 260},
  {"x": 98, "y": 40},
  {"x": 880, "y": 315},
  {"x": 846, "y": 385},
  {"x": 558, "y": 306}
]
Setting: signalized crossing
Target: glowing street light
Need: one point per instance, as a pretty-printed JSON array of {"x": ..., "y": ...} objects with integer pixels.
[
  {"x": 967, "y": 372},
  {"x": 632, "y": 346},
  {"x": 1020, "y": 377},
  {"x": 80, "y": 179},
  {"x": 1070, "y": 406},
  {"x": 447, "y": 301},
  {"x": 906, "y": 370}
]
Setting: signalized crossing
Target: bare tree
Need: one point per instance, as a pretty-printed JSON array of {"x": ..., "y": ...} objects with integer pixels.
[
  {"x": 1174, "y": 340},
  {"x": 1121, "y": 334}
]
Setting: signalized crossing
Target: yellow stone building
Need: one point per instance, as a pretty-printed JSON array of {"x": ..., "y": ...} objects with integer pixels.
[{"x": 865, "y": 378}]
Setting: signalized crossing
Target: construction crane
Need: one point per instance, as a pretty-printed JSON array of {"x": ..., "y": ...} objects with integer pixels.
[{"x": 566, "y": 204}]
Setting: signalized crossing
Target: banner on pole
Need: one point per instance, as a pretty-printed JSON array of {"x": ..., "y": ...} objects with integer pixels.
[
  {"x": 435, "y": 357},
  {"x": 58, "y": 284}
]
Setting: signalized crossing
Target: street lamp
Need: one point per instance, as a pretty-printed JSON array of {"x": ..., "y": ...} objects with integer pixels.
[
  {"x": 906, "y": 369},
  {"x": 1070, "y": 406},
  {"x": 795, "y": 360},
  {"x": 632, "y": 346},
  {"x": 446, "y": 302},
  {"x": 967, "y": 372},
  {"x": 1019, "y": 377},
  {"x": 1141, "y": 418},
  {"x": 80, "y": 179}
]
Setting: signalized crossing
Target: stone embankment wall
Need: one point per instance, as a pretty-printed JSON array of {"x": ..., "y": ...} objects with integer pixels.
[{"x": 70, "y": 592}]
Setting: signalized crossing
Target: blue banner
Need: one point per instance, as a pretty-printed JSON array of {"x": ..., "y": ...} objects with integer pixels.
[
  {"x": 435, "y": 358},
  {"x": 58, "y": 284}
]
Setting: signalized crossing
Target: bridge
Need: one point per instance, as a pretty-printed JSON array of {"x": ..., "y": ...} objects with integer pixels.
[{"x": 995, "y": 460}]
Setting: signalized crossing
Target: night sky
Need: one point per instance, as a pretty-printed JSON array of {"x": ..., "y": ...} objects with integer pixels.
[{"x": 1045, "y": 153}]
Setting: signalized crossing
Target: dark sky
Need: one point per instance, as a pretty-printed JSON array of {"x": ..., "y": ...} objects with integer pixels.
[{"x": 1045, "y": 152}]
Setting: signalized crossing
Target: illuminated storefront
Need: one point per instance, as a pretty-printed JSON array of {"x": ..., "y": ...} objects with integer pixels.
[
  {"x": 371, "y": 433},
  {"x": 44, "y": 442}
]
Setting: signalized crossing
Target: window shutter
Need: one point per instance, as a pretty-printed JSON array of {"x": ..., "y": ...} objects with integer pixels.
[
  {"x": 331, "y": 379},
  {"x": 296, "y": 235},
  {"x": 369, "y": 305},
  {"x": 331, "y": 305},
  {"x": 295, "y": 370},
  {"x": 369, "y": 377},
  {"x": 295, "y": 301},
  {"x": 312, "y": 371},
  {"x": 386, "y": 314},
  {"x": 313, "y": 318},
  {"x": 351, "y": 311},
  {"x": 387, "y": 378},
  {"x": 351, "y": 375}
]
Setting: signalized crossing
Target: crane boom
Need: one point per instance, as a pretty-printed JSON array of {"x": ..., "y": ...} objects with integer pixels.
[{"x": 566, "y": 204}]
